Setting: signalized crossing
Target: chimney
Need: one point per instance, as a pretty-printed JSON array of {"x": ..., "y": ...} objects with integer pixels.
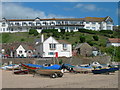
[{"x": 42, "y": 38}]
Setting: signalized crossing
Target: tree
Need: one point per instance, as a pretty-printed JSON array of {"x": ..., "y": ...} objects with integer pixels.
[
  {"x": 22, "y": 39},
  {"x": 36, "y": 33},
  {"x": 96, "y": 38},
  {"x": 33, "y": 31},
  {"x": 82, "y": 39}
]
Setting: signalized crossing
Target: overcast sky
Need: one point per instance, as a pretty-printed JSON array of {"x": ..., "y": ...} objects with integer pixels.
[{"x": 60, "y": 9}]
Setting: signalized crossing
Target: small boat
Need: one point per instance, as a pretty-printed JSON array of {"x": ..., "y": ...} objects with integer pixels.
[
  {"x": 31, "y": 66},
  {"x": 22, "y": 71},
  {"x": 53, "y": 73},
  {"x": 10, "y": 67},
  {"x": 77, "y": 69},
  {"x": 104, "y": 71}
]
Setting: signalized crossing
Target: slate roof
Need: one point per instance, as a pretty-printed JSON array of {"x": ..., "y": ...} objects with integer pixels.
[
  {"x": 63, "y": 42},
  {"x": 94, "y": 19},
  {"x": 114, "y": 40}
]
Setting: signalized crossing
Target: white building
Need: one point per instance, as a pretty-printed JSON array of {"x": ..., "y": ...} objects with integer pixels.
[
  {"x": 24, "y": 51},
  {"x": 24, "y": 25},
  {"x": 50, "y": 47},
  {"x": 113, "y": 42}
]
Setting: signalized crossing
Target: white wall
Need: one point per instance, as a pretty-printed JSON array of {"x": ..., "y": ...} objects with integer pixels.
[
  {"x": 59, "y": 49},
  {"x": 113, "y": 44},
  {"x": 20, "y": 48}
]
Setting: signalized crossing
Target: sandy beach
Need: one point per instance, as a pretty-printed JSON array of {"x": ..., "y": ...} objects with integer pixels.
[{"x": 69, "y": 80}]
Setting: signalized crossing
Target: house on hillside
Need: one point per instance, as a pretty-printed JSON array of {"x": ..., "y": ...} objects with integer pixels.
[
  {"x": 18, "y": 49},
  {"x": 24, "y": 51},
  {"x": 113, "y": 42},
  {"x": 86, "y": 50},
  {"x": 53, "y": 48}
]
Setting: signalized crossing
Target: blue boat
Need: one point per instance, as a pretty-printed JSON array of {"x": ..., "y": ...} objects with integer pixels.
[{"x": 103, "y": 71}]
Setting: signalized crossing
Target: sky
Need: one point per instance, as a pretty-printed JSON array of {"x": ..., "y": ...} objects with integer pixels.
[{"x": 20, "y": 10}]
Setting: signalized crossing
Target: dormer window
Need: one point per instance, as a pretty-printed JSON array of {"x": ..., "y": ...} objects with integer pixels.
[
  {"x": 108, "y": 22},
  {"x": 3, "y": 24}
]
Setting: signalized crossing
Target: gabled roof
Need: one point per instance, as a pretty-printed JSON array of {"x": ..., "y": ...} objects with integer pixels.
[
  {"x": 83, "y": 44},
  {"x": 15, "y": 45},
  {"x": 114, "y": 40}
]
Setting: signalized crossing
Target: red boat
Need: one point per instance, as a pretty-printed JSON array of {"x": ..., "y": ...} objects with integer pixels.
[
  {"x": 31, "y": 66},
  {"x": 21, "y": 71}
]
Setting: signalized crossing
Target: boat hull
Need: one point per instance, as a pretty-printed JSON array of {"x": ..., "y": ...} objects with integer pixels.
[{"x": 48, "y": 71}]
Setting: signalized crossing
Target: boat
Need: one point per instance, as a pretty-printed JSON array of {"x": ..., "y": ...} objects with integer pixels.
[
  {"x": 31, "y": 66},
  {"x": 10, "y": 67},
  {"x": 22, "y": 71},
  {"x": 77, "y": 69},
  {"x": 53, "y": 73},
  {"x": 104, "y": 71}
]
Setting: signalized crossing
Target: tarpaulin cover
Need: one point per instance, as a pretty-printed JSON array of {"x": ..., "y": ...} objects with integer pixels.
[
  {"x": 53, "y": 67},
  {"x": 34, "y": 65}
]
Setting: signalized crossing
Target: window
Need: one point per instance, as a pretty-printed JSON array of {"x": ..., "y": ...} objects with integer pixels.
[
  {"x": 3, "y": 29},
  {"x": 93, "y": 22},
  {"x": 20, "y": 51},
  {"x": 93, "y": 28},
  {"x": 87, "y": 27},
  {"x": 108, "y": 27},
  {"x": 51, "y": 53},
  {"x": 72, "y": 28},
  {"x": 29, "y": 51},
  {"x": 52, "y": 46},
  {"x": 109, "y": 22},
  {"x": 64, "y": 46},
  {"x": 81, "y": 22},
  {"x": 3, "y": 24}
]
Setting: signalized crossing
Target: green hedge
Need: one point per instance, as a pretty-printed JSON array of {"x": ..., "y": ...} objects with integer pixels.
[{"x": 106, "y": 31}]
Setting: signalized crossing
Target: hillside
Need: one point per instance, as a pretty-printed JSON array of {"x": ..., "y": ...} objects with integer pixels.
[{"x": 72, "y": 37}]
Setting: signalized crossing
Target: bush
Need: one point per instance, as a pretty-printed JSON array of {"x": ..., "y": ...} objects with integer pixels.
[
  {"x": 96, "y": 38},
  {"x": 106, "y": 31},
  {"x": 49, "y": 30},
  {"x": 82, "y": 39},
  {"x": 87, "y": 31},
  {"x": 33, "y": 31},
  {"x": 22, "y": 39},
  {"x": 36, "y": 33},
  {"x": 63, "y": 31}
]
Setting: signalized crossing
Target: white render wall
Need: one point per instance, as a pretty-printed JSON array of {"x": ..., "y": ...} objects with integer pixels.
[
  {"x": 59, "y": 49},
  {"x": 98, "y": 25},
  {"x": 20, "y": 48},
  {"x": 113, "y": 44}
]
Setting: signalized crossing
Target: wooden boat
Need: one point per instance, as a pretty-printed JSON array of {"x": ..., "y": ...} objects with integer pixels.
[
  {"x": 53, "y": 73},
  {"x": 31, "y": 66}
]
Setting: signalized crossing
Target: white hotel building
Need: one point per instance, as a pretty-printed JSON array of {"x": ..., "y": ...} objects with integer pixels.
[{"x": 24, "y": 25}]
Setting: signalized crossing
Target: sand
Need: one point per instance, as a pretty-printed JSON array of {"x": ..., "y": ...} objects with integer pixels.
[{"x": 69, "y": 80}]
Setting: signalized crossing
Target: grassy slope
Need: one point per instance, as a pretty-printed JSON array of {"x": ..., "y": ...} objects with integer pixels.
[{"x": 11, "y": 37}]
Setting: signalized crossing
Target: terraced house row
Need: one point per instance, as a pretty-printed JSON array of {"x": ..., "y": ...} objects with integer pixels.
[{"x": 69, "y": 24}]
